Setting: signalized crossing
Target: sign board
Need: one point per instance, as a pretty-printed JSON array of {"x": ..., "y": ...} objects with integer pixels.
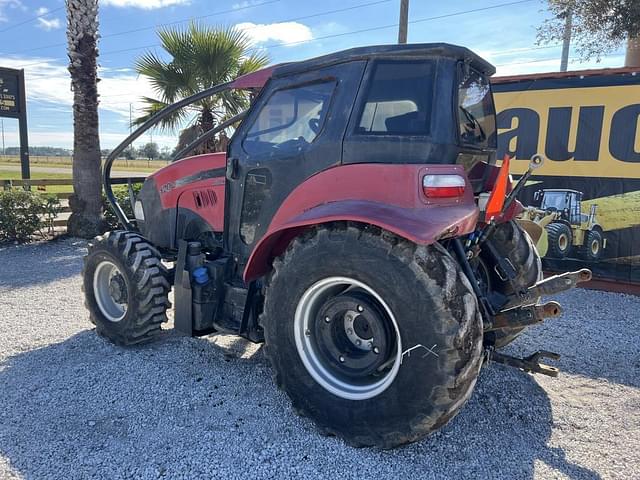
[
  {"x": 13, "y": 105},
  {"x": 588, "y": 128}
]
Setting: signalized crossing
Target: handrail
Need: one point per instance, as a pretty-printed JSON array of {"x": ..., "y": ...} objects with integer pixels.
[{"x": 166, "y": 111}]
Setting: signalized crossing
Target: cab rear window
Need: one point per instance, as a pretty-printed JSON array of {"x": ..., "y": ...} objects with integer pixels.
[
  {"x": 399, "y": 99},
  {"x": 476, "y": 112}
]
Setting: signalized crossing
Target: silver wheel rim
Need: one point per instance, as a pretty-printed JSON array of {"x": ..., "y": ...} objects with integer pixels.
[
  {"x": 563, "y": 242},
  {"x": 110, "y": 308},
  {"x": 307, "y": 308}
]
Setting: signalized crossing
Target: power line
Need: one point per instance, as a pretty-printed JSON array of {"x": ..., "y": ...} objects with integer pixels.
[
  {"x": 31, "y": 19},
  {"x": 292, "y": 19},
  {"x": 150, "y": 27},
  {"x": 304, "y": 17}
]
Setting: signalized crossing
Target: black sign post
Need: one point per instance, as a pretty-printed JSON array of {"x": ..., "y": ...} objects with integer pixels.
[{"x": 13, "y": 104}]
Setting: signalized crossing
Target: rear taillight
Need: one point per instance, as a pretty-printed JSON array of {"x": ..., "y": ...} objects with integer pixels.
[{"x": 443, "y": 186}]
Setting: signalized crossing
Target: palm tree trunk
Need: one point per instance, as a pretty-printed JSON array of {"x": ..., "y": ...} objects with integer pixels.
[
  {"x": 82, "y": 35},
  {"x": 206, "y": 124},
  {"x": 632, "y": 58}
]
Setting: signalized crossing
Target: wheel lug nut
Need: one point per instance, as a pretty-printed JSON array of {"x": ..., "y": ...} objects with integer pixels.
[
  {"x": 376, "y": 350},
  {"x": 341, "y": 359},
  {"x": 360, "y": 308}
]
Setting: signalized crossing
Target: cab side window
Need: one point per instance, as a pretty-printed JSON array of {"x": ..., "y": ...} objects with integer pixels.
[
  {"x": 399, "y": 99},
  {"x": 291, "y": 119}
]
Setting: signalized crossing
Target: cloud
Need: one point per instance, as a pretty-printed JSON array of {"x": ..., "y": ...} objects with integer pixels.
[
  {"x": 145, "y": 4},
  {"x": 245, "y": 4},
  {"x": 47, "y": 25},
  {"x": 285, "y": 32},
  {"x": 4, "y": 4},
  {"x": 48, "y": 84}
]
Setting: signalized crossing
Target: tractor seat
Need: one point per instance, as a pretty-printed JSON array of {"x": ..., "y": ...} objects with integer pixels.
[{"x": 406, "y": 123}]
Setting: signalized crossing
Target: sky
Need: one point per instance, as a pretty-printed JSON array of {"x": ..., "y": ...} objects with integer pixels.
[{"x": 32, "y": 36}]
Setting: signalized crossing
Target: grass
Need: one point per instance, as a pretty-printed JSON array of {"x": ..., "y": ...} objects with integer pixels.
[
  {"x": 12, "y": 175},
  {"x": 140, "y": 165}
]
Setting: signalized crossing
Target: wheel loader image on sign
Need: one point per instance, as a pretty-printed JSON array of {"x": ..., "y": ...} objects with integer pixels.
[
  {"x": 561, "y": 229},
  {"x": 358, "y": 224}
]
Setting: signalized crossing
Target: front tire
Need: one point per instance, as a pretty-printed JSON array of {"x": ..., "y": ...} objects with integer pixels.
[
  {"x": 560, "y": 240},
  {"x": 126, "y": 288},
  {"x": 413, "y": 305}
]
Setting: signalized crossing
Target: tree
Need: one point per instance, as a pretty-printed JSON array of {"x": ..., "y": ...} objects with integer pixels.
[
  {"x": 150, "y": 150},
  {"x": 201, "y": 57},
  {"x": 598, "y": 27},
  {"x": 130, "y": 153},
  {"x": 82, "y": 38}
]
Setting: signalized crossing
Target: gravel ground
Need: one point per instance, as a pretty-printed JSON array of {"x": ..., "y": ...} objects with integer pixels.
[{"x": 74, "y": 406}]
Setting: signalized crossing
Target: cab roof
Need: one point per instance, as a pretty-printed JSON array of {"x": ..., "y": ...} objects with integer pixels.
[
  {"x": 258, "y": 78},
  {"x": 397, "y": 51}
]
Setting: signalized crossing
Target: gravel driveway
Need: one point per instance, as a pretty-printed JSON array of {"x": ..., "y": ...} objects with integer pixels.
[{"x": 74, "y": 406}]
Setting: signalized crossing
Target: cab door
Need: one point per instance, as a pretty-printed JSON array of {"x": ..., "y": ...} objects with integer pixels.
[{"x": 294, "y": 131}]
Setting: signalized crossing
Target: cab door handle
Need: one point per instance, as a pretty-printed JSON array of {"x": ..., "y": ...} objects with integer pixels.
[{"x": 232, "y": 168}]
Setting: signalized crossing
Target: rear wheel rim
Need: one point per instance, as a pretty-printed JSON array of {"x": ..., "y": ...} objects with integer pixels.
[
  {"x": 335, "y": 344},
  {"x": 109, "y": 290}
]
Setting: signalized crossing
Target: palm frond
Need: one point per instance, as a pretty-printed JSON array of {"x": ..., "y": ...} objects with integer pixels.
[
  {"x": 201, "y": 56},
  {"x": 153, "y": 106}
]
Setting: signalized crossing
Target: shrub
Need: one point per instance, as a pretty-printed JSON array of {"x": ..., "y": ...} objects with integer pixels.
[
  {"x": 121, "y": 192},
  {"x": 24, "y": 213}
]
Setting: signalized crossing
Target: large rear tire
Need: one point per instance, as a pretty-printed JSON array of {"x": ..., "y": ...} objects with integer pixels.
[
  {"x": 514, "y": 244},
  {"x": 126, "y": 288},
  {"x": 376, "y": 339},
  {"x": 592, "y": 249}
]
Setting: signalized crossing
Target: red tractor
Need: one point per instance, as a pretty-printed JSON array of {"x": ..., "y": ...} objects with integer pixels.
[{"x": 357, "y": 224}]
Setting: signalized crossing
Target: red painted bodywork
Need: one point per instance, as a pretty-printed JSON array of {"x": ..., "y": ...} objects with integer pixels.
[
  {"x": 174, "y": 195},
  {"x": 388, "y": 196},
  {"x": 255, "y": 79}
]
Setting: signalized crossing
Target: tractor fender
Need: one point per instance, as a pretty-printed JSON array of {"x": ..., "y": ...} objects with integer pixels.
[{"x": 422, "y": 226}]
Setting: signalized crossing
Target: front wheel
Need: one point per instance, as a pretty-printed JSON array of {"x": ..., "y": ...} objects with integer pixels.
[
  {"x": 376, "y": 339},
  {"x": 126, "y": 288},
  {"x": 560, "y": 240}
]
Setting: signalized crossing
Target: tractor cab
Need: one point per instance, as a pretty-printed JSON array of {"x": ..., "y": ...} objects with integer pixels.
[{"x": 566, "y": 202}]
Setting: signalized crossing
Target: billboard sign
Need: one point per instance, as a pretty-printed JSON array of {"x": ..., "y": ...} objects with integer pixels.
[{"x": 587, "y": 195}]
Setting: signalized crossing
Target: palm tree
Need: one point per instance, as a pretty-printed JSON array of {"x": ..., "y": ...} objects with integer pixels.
[
  {"x": 82, "y": 37},
  {"x": 201, "y": 57}
]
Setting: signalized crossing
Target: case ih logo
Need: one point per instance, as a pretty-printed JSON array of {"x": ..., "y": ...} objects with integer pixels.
[{"x": 167, "y": 187}]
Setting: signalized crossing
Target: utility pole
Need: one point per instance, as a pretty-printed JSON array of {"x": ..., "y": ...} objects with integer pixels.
[
  {"x": 404, "y": 21},
  {"x": 566, "y": 41}
]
